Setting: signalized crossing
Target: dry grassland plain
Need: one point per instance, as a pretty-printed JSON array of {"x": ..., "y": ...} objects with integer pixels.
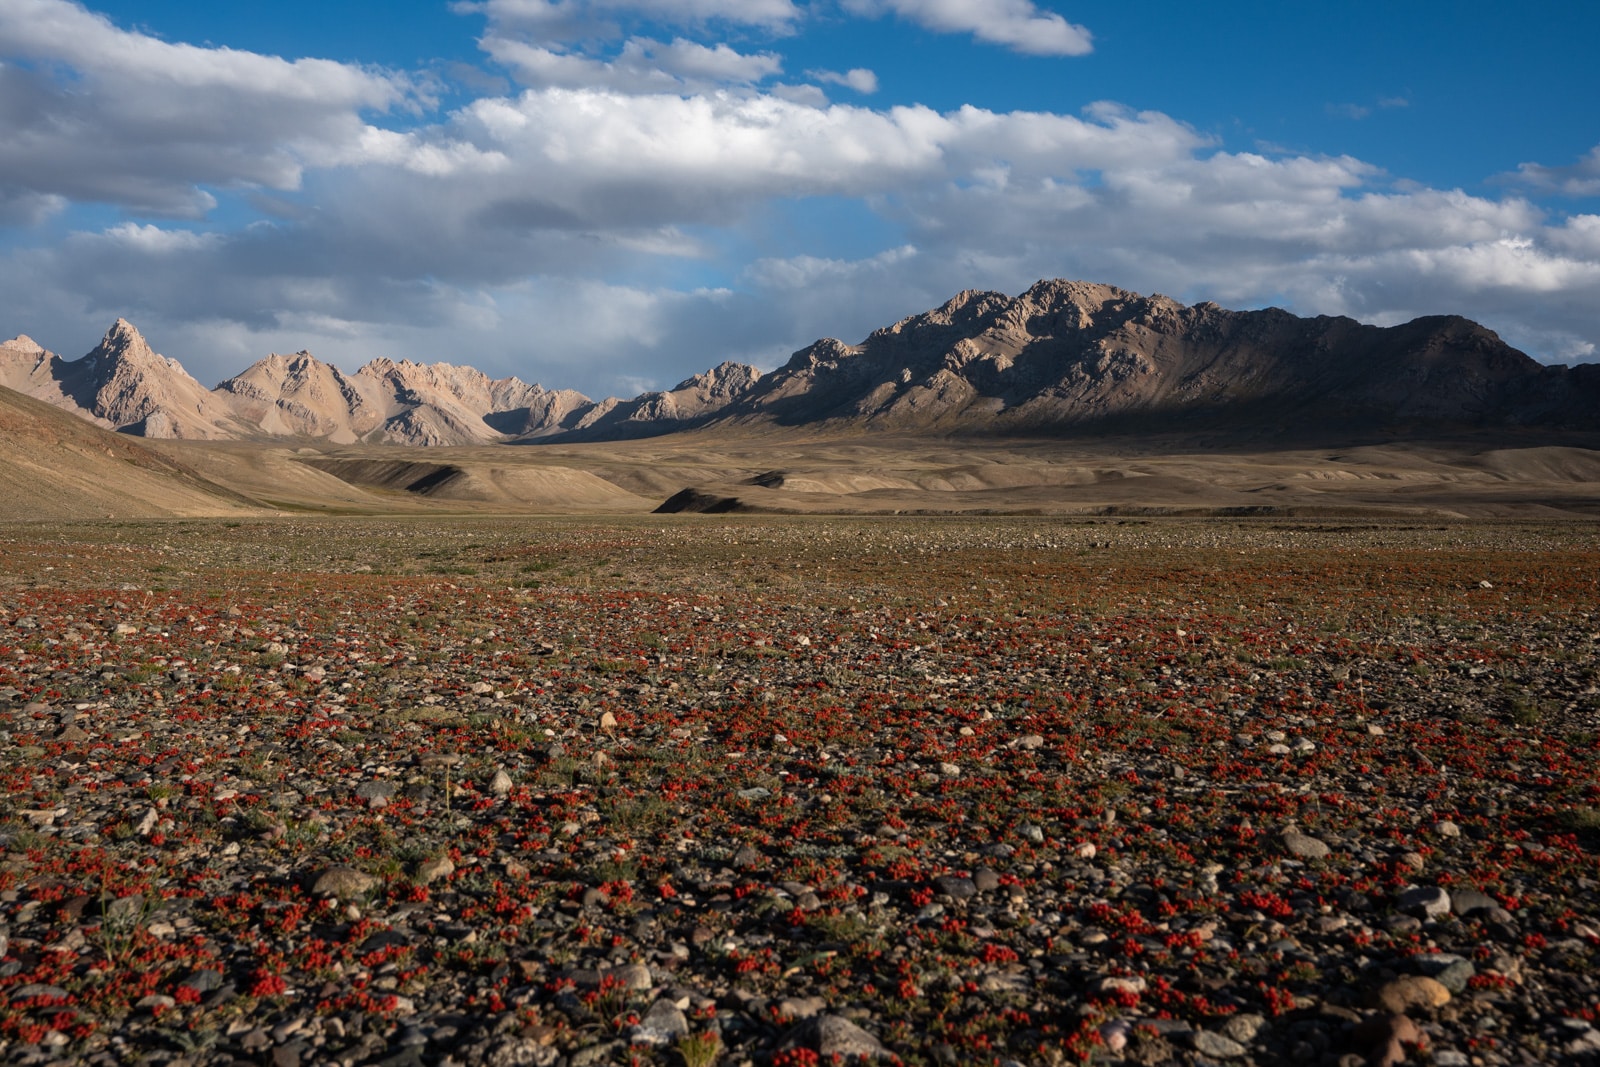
[{"x": 772, "y": 790}]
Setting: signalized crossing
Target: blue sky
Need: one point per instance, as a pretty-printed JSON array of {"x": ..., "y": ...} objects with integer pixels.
[{"x": 611, "y": 195}]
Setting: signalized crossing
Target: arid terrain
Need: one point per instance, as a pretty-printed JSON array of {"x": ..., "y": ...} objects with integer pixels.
[
  {"x": 755, "y": 789},
  {"x": 788, "y": 473},
  {"x": 56, "y": 466},
  {"x": 747, "y": 737}
]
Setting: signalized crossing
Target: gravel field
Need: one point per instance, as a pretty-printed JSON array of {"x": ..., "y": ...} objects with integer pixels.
[{"x": 794, "y": 791}]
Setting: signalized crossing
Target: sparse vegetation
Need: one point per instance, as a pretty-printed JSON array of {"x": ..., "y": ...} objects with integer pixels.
[{"x": 961, "y": 782}]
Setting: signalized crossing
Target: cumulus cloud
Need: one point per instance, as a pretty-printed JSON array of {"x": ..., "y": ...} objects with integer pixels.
[
  {"x": 1016, "y": 24},
  {"x": 859, "y": 79},
  {"x": 96, "y": 113},
  {"x": 1581, "y": 179},
  {"x": 546, "y": 232},
  {"x": 643, "y": 66}
]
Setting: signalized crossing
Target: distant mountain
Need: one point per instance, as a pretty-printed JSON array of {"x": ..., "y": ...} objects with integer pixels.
[
  {"x": 1062, "y": 358},
  {"x": 403, "y": 403},
  {"x": 122, "y": 385},
  {"x": 1074, "y": 356},
  {"x": 692, "y": 402}
]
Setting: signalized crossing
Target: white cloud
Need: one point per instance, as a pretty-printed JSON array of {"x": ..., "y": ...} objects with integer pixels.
[
  {"x": 96, "y": 113},
  {"x": 154, "y": 240},
  {"x": 545, "y": 233},
  {"x": 566, "y": 20},
  {"x": 643, "y": 66},
  {"x": 1581, "y": 179},
  {"x": 1580, "y": 236},
  {"x": 859, "y": 79},
  {"x": 805, "y": 272},
  {"x": 1016, "y": 24}
]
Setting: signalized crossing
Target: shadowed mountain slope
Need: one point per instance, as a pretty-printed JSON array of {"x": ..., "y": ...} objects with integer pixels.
[{"x": 1076, "y": 357}]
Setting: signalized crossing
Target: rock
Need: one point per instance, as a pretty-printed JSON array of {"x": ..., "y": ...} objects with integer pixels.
[
  {"x": 985, "y": 880},
  {"x": 501, "y": 783},
  {"x": 1112, "y": 983},
  {"x": 373, "y": 790},
  {"x": 663, "y": 1024},
  {"x": 1210, "y": 1043},
  {"x": 634, "y": 977},
  {"x": 343, "y": 883},
  {"x": 1115, "y": 1034},
  {"x": 1243, "y": 1028},
  {"x": 1410, "y": 991},
  {"x": 155, "y": 1003},
  {"x": 1430, "y": 902},
  {"x": 956, "y": 888},
  {"x": 433, "y": 870},
  {"x": 832, "y": 1035},
  {"x": 1304, "y": 846},
  {"x": 604, "y": 1053},
  {"x": 801, "y": 1007},
  {"x": 205, "y": 980},
  {"x": 1456, "y": 976},
  {"x": 1467, "y": 901},
  {"x": 1030, "y": 742},
  {"x": 1586, "y": 1043},
  {"x": 384, "y": 939},
  {"x": 1384, "y": 1038}
]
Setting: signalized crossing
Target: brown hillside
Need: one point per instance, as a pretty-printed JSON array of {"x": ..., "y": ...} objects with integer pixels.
[{"x": 54, "y": 465}]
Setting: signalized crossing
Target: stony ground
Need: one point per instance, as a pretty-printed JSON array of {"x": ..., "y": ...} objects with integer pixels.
[{"x": 784, "y": 791}]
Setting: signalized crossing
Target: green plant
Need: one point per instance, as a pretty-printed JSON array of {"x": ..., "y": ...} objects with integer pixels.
[{"x": 699, "y": 1050}]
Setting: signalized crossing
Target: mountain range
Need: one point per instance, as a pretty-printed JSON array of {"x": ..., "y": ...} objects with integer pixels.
[{"x": 1062, "y": 358}]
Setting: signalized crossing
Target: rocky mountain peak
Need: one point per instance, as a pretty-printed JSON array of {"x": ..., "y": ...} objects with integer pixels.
[
  {"x": 123, "y": 341},
  {"x": 1062, "y": 357},
  {"x": 22, "y": 345}
]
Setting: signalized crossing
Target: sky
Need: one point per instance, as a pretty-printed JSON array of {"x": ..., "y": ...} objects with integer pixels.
[{"x": 613, "y": 195}]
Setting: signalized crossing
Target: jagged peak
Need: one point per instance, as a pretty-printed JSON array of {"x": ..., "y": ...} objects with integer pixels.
[
  {"x": 123, "y": 342},
  {"x": 24, "y": 344},
  {"x": 123, "y": 332}
]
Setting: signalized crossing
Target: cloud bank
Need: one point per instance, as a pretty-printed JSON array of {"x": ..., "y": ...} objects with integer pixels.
[{"x": 603, "y": 225}]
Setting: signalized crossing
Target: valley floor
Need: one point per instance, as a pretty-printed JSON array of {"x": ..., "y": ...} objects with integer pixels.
[
  {"x": 797, "y": 474},
  {"x": 764, "y": 789}
]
